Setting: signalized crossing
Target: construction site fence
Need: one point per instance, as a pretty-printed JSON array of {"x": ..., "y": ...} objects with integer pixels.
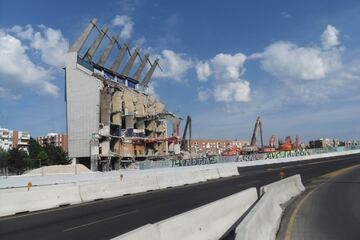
[{"x": 213, "y": 159}]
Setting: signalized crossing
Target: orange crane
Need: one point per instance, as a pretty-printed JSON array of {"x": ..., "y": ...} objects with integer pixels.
[
  {"x": 287, "y": 146},
  {"x": 231, "y": 151},
  {"x": 271, "y": 146}
]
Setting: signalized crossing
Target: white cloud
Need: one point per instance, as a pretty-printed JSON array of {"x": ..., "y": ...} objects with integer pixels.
[
  {"x": 126, "y": 23},
  {"x": 203, "y": 71},
  {"x": 203, "y": 94},
  {"x": 288, "y": 62},
  {"x": 238, "y": 91},
  {"x": 329, "y": 38},
  {"x": 291, "y": 63},
  {"x": 26, "y": 32},
  {"x": 313, "y": 74},
  {"x": 226, "y": 71},
  {"x": 228, "y": 67},
  {"x": 52, "y": 46},
  {"x": 174, "y": 65},
  {"x": 49, "y": 42},
  {"x": 17, "y": 69}
]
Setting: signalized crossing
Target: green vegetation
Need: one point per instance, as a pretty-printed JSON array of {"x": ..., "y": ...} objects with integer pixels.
[{"x": 17, "y": 160}]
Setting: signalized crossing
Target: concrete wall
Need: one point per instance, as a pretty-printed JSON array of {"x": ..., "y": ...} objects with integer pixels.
[{"x": 82, "y": 103}]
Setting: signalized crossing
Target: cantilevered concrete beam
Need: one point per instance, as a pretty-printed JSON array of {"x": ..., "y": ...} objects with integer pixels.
[
  {"x": 107, "y": 51},
  {"x": 141, "y": 67},
  {"x": 149, "y": 74},
  {"x": 119, "y": 57},
  {"x": 130, "y": 63},
  {"x": 95, "y": 45},
  {"x": 81, "y": 40}
]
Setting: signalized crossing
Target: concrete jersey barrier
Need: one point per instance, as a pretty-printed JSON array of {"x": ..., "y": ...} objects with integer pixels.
[
  {"x": 263, "y": 220},
  {"x": 115, "y": 188},
  {"x": 37, "y": 198},
  {"x": 208, "y": 222}
]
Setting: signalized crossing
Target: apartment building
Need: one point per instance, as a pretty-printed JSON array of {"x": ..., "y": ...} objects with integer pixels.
[
  {"x": 55, "y": 139},
  {"x": 12, "y": 139},
  {"x": 206, "y": 146}
]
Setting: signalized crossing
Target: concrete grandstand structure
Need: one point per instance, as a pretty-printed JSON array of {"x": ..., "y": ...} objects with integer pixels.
[{"x": 111, "y": 119}]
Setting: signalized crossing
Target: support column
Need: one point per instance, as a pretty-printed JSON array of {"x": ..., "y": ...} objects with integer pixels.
[{"x": 81, "y": 40}]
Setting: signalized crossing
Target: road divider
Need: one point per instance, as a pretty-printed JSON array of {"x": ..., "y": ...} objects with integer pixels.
[
  {"x": 210, "y": 221},
  {"x": 33, "y": 198},
  {"x": 30, "y": 199},
  {"x": 110, "y": 189},
  {"x": 263, "y": 220}
]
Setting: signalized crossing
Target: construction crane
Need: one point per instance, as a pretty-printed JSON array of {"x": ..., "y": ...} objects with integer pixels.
[
  {"x": 186, "y": 144},
  {"x": 252, "y": 147}
]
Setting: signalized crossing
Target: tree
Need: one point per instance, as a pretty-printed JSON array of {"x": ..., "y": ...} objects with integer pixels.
[
  {"x": 4, "y": 158},
  {"x": 34, "y": 148},
  {"x": 43, "y": 158},
  {"x": 56, "y": 155},
  {"x": 17, "y": 160}
]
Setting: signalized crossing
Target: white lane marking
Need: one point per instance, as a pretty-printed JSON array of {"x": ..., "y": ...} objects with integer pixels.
[{"x": 100, "y": 220}]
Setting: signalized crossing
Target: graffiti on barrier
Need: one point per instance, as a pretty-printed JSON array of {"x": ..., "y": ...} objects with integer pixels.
[
  {"x": 273, "y": 155},
  {"x": 285, "y": 154},
  {"x": 195, "y": 161}
]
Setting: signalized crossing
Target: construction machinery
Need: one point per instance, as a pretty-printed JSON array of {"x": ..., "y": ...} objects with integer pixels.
[
  {"x": 271, "y": 147},
  {"x": 231, "y": 151},
  {"x": 185, "y": 144},
  {"x": 252, "y": 147},
  {"x": 297, "y": 144},
  {"x": 287, "y": 146}
]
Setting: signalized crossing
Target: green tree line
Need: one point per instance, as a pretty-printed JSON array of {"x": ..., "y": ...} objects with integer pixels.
[{"x": 18, "y": 161}]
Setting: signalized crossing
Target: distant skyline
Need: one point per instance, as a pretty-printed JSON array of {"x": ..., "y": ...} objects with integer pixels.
[{"x": 295, "y": 64}]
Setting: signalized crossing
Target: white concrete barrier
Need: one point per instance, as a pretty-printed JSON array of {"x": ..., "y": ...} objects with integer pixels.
[
  {"x": 228, "y": 171},
  {"x": 37, "y": 198},
  {"x": 263, "y": 220},
  {"x": 210, "y": 174},
  {"x": 208, "y": 222},
  {"x": 171, "y": 179},
  {"x": 115, "y": 188},
  {"x": 285, "y": 189}
]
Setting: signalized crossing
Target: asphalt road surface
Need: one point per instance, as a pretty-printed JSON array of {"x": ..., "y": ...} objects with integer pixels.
[
  {"x": 328, "y": 210},
  {"x": 105, "y": 219}
]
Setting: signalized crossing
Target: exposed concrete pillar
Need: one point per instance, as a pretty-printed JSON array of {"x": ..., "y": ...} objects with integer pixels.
[
  {"x": 130, "y": 63},
  {"x": 107, "y": 51},
  {"x": 148, "y": 75},
  {"x": 81, "y": 40},
  {"x": 95, "y": 45},
  {"x": 119, "y": 57},
  {"x": 141, "y": 67}
]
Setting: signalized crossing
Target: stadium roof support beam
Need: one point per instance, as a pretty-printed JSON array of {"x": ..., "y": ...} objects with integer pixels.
[
  {"x": 95, "y": 45},
  {"x": 130, "y": 63},
  {"x": 104, "y": 57},
  {"x": 119, "y": 57},
  {"x": 141, "y": 67},
  {"x": 149, "y": 74},
  {"x": 83, "y": 37}
]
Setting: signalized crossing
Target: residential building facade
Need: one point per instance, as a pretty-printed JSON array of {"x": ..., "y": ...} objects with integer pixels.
[
  {"x": 206, "y": 146},
  {"x": 55, "y": 139},
  {"x": 14, "y": 139}
]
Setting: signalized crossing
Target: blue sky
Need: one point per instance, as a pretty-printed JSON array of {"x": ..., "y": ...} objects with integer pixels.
[{"x": 295, "y": 64}]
